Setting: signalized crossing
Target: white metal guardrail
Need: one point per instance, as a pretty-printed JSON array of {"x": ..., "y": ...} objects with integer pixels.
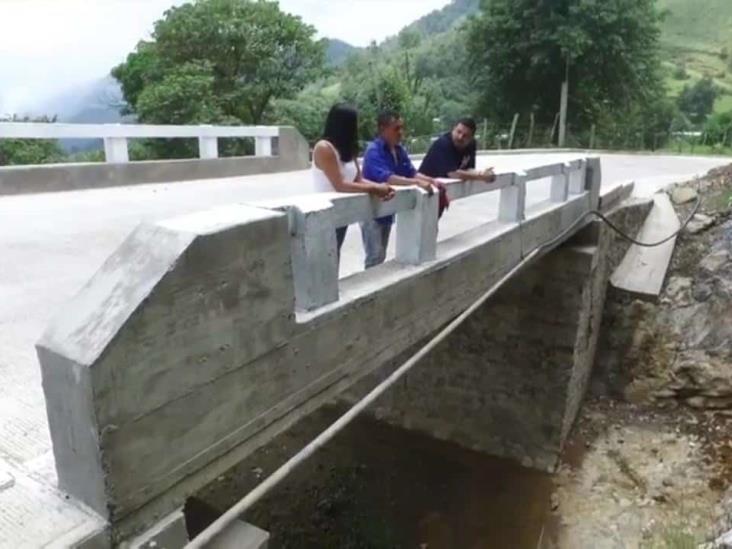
[{"x": 115, "y": 136}]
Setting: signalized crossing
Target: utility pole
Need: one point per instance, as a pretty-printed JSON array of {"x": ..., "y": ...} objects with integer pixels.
[{"x": 563, "y": 106}]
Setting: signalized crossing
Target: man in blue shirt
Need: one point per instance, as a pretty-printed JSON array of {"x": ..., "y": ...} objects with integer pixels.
[
  {"x": 453, "y": 155},
  {"x": 386, "y": 161}
]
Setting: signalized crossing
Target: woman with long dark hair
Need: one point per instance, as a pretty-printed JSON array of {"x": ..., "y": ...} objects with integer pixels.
[{"x": 335, "y": 161}]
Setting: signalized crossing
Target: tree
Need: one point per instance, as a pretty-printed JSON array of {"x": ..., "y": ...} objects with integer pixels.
[
  {"x": 520, "y": 50},
  {"x": 307, "y": 111},
  {"x": 29, "y": 151},
  {"x": 219, "y": 61},
  {"x": 718, "y": 129},
  {"x": 697, "y": 101}
]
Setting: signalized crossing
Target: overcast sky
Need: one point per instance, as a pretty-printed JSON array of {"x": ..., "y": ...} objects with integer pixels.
[{"x": 51, "y": 46}]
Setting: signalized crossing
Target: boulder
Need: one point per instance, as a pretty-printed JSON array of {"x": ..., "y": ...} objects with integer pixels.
[
  {"x": 678, "y": 289},
  {"x": 715, "y": 261},
  {"x": 682, "y": 195},
  {"x": 699, "y": 223}
]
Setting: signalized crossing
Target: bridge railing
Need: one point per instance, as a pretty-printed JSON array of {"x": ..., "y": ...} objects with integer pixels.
[
  {"x": 115, "y": 136},
  {"x": 314, "y": 218}
]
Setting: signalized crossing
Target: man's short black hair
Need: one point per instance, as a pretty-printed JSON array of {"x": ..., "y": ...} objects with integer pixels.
[
  {"x": 468, "y": 123},
  {"x": 386, "y": 117}
]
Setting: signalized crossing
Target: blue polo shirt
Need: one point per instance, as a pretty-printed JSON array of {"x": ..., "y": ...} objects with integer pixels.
[
  {"x": 379, "y": 165},
  {"x": 444, "y": 157}
]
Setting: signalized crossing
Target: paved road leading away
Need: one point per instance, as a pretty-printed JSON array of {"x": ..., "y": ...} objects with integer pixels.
[{"x": 51, "y": 244}]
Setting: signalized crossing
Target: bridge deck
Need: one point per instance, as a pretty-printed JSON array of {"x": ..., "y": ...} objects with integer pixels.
[{"x": 51, "y": 244}]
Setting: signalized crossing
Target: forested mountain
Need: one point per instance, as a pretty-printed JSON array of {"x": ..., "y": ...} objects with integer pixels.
[{"x": 337, "y": 51}]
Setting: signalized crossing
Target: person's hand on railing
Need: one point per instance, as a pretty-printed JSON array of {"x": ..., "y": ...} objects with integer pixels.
[
  {"x": 382, "y": 191},
  {"x": 426, "y": 183},
  {"x": 488, "y": 175}
]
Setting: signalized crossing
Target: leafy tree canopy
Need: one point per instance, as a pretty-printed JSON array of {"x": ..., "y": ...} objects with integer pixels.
[
  {"x": 29, "y": 151},
  {"x": 519, "y": 51},
  {"x": 697, "y": 101},
  {"x": 219, "y": 61}
]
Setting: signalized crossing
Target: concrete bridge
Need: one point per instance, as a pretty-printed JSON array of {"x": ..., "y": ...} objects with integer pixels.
[{"x": 222, "y": 320}]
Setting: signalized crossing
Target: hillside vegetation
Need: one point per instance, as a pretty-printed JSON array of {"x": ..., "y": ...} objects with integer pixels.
[
  {"x": 696, "y": 40},
  {"x": 636, "y": 81},
  {"x": 697, "y": 43},
  {"x": 697, "y": 24}
]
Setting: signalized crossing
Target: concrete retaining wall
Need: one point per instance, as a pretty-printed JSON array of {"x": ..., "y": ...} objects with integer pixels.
[{"x": 291, "y": 153}]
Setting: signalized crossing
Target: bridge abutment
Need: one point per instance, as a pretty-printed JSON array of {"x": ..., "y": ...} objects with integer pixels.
[{"x": 510, "y": 381}]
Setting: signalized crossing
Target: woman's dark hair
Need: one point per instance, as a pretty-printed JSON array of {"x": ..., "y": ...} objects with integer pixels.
[{"x": 341, "y": 129}]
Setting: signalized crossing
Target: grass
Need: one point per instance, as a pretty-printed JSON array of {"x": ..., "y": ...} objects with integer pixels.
[
  {"x": 696, "y": 150},
  {"x": 723, "y": 103},
  {"x": 673, "y": 539}
]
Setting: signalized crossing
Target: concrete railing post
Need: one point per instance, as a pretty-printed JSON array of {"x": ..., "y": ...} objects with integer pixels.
[
  {"x": 417, "y": 230},
  {"x": 208, "y": 147},
  {"x": 263, "y": 146},
  {"x": 314, "y": 253},
  {"x": 577, "y": 178},
  {"x": 115, "y": 150},
  {"x": 593, "y": 180},
  {"x": 560, "y": 185},
  {"x": 512, "y": 206}
]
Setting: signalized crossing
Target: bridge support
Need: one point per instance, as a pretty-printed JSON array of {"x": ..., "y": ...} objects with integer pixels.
[{"x": 511, "y": 380}]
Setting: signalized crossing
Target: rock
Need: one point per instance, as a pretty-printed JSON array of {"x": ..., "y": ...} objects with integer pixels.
[
  {"x": 699, "y": 223},
  {"x": 702, "y": 292},
  {"x": 709, "y": 402},
  {"x": 665, "y": 392},
  {"x": 724, "y": 541},
  {"x": 707, "y": 379},
  {"x": 682, "y": 195},
  {"x": 714, "y": 262},
  {"x": 555, "y": 501},
  {"x": 660, "y": 497},
  {"x": 678, "y": 288}
]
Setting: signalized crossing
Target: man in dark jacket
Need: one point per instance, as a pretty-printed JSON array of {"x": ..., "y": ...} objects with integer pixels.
[{"x": 453, "y": 155}]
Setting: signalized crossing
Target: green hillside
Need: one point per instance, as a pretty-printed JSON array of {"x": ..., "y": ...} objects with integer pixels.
[
  {"x": 338, "y": 51},
  {"x": 697, "y": 43},
  {"x": 697, "y": 24},
  {"x": 444, "y": 19}
]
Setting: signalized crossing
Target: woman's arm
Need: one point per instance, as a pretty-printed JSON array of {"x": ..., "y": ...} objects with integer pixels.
[
  {"x": 325, "y": 159},
  {"x": 359, "y": 173}
]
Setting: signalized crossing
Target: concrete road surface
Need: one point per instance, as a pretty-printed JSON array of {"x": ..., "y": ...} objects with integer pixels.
[{"x": 51, "y": 244}]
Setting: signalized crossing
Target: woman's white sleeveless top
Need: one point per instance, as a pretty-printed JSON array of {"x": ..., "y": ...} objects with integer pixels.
[{"x": 321, "y": 183}]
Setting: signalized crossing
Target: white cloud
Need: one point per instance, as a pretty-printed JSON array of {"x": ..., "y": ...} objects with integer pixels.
[{"x": 50, "y": 46}]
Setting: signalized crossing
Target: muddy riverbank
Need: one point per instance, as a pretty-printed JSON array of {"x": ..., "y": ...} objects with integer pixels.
[{"x": 649, "y": 463}]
